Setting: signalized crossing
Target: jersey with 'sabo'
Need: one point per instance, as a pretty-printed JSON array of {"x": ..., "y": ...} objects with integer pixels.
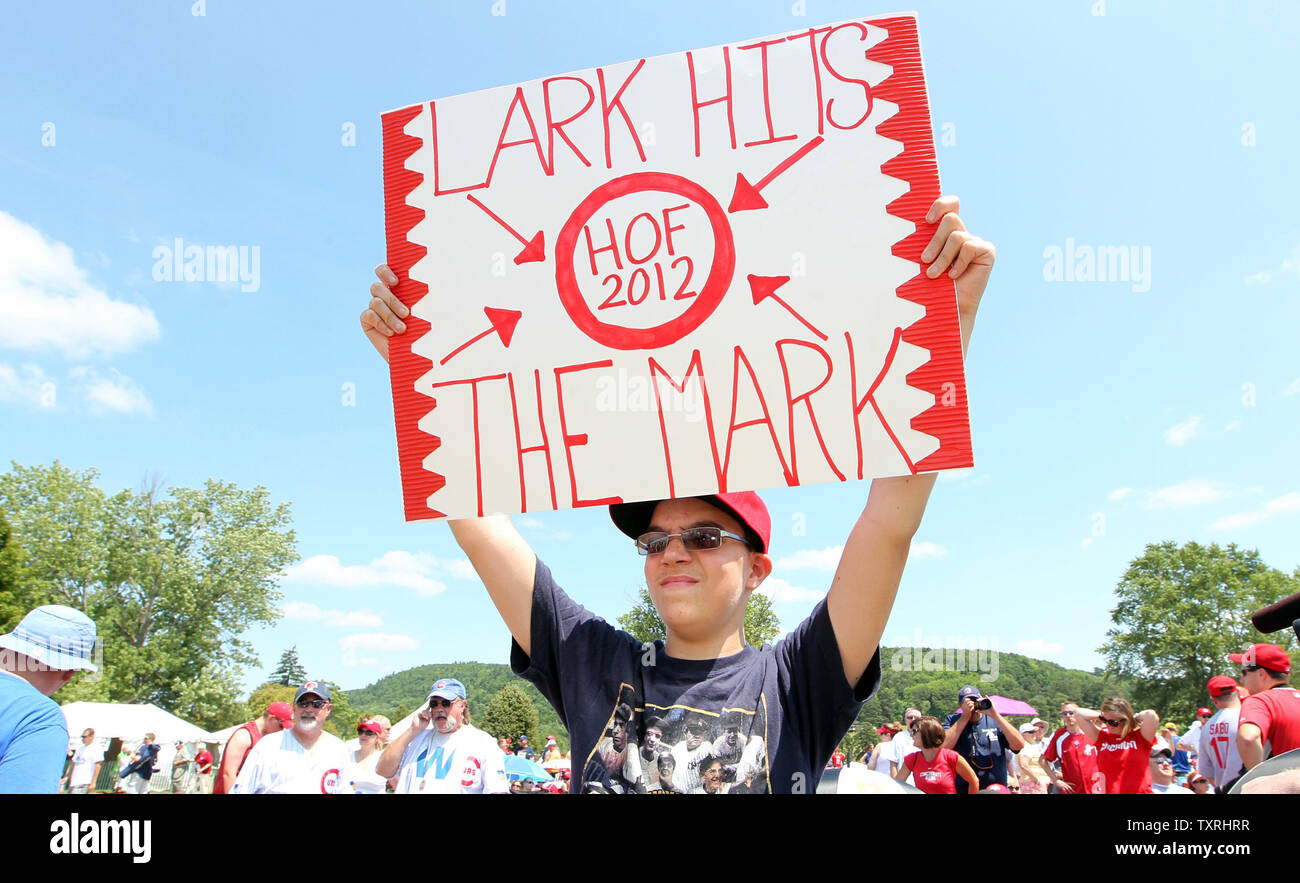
[{"x": 763, "y": 720}]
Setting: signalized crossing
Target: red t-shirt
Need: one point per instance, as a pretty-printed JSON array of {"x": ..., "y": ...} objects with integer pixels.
[
  {"x": 1124, "y": 763},
  {"x": 254, "y": 734},
  {"x": 938, "y": 776},
  {"x": 837, "y": 760},
  {"x": 1277, "y": 714},
  {"x": 1078, "y": 759},
  {"x": 204, "y": 761}
]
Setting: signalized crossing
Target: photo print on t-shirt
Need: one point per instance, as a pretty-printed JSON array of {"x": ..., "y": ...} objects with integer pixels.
[{"x": 678, "y": 749}]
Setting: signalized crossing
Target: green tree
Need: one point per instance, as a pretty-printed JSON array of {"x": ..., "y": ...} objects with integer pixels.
[
  {"x": 264, "y": 695},
  {"x": 1181, "y": 611},
  {"x": 172, "y": 582},
  {"x": 509, "y": 715},
  {"x": 289, "y": 670},
  {"x": 761, "y": 622},
  {"x": 14, "y": 602}
]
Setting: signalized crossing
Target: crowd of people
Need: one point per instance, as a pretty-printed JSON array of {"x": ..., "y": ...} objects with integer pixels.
[{"x": 1109, "y": 750}]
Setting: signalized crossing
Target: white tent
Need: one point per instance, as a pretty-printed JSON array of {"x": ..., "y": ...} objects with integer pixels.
[{"x": 129, "y": 723}]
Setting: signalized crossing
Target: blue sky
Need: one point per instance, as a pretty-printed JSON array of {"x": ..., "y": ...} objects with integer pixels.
[{"x": 1106, "y": 415}]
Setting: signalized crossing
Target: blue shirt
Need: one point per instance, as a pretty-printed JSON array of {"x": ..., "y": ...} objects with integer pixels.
[
  {"x": 33, "y": 739},
  {"x": 984, "y": 746}
]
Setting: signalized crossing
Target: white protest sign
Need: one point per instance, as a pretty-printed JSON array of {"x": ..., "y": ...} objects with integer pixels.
[{"x": 673, "y": 276}]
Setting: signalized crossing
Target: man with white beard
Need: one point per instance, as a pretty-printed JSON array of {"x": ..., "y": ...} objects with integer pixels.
[
  {"x": 439, "y": 753},
  {"x": 303, "y": 760}
]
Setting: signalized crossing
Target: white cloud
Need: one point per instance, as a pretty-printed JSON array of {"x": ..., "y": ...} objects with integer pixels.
[
  {"x": 27, "y": 385},
  {"x": 782, "y": 592},
  {"x": 965, "y": 477},
  {"x": 1182, "y": 433},
  {"x": 1231, "y": 427},
  {"x": 47, "y": 301},
  {"x": 811, "y": 559},
  {"x": 1293, "y": 389},
  {"x": 1290, "y": 266},
  {"x": 1283, "y": 505},
  {"x": 416, "y": 571},
  {"x": 539, "y": 526},
  {"x": 1193, "y": 492},
  {"x": 530, "y": 522},
  {"x": 1085, "y": 542},
  {"x": 1120, "y": 493},
  {"x": 1037, "y": 648},
  {"x": 926, "y": 550},
  {"x": 117, "y": 394},
  {"x": 305, "y": 612},
  {"x": 378, "y": 641}
]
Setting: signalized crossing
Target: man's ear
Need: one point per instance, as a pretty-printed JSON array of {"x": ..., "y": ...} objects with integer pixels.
[
  {"x": 760, "y": 567},
  {"x": 66, "y": 676}
]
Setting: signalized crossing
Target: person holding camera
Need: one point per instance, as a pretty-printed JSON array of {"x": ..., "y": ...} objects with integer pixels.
[{"x": 982, "y": 736}]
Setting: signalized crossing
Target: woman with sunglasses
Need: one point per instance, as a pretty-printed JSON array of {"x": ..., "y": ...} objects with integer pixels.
[
  {"x": 1123, "y": 741},
  {"x": 359, "y": 776},
  {"x": 934, "y": 768},
  {"x": 882, "y": 758}
]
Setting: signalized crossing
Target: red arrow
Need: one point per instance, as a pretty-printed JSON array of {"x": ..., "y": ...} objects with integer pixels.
[
  {"x": 766, "y": 286},
  {"x": 503, "y": 323},
  {"x": 534, "y": 249},
  {"x": 747, "y": 196}
]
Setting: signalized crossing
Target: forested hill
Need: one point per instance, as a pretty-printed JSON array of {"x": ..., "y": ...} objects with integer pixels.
[
  {"x": 397, "y": 695},
  {"x": 928, "y": 679}
]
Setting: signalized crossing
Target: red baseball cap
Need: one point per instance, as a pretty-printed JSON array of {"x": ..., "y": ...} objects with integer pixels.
[
  {"x": 282, "y": 712},
  {"x": 1269, "y": 656},
  {"x": 1204, "y": 711},
  {"x": 745, "y": 506}
]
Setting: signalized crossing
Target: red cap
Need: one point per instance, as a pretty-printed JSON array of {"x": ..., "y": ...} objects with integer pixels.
[
  {"x": 1204, "y": 711},
  {"x": 370, "y": 727},
  {"x": 746, "y": 506},
  {"x": 282, "y": 712},
  {"x": 1269, "y": 656}
]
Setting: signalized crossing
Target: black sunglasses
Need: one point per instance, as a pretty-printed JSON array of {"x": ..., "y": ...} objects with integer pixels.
[
  {"x": 310, "y": 703},
  {"x": 695, "y": 539},
  {"x": 1110, "y": 723}
]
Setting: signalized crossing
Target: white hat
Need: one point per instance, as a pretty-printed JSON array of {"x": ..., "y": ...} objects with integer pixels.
[{"x": 59, "y": 637}]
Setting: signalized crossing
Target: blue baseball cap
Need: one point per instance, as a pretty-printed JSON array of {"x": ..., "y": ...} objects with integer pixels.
[
  {"x": 60, "y": 637},
  {"x": 447, "y": 688},
  {"x": 313, "y": 688},
  {"x": 967, "y": 692}
]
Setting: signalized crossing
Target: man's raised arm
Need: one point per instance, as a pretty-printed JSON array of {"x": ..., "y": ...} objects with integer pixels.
[
  {"x": 871, "y": 566},
  {"x": 501, "y": 557}
]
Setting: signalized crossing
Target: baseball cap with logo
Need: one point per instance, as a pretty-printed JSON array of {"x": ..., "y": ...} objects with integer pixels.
[
  {"x": 447, "y": 688},
  {"x": 1269, "y": 656},
  {"x": 56, "y": 636},
  {"x": 746, "y": 506},
  {"x": 967, "y": 692},
  {"x": 1221, "y": 685},
  {"x": 313, "y": 688},
  {"x": 282, "y": 712}
]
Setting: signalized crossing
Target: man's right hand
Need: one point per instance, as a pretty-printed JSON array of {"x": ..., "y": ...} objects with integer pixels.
[{"x": 383, "y": 317}]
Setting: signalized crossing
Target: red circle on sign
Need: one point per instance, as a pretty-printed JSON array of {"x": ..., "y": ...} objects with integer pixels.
[{"x": 715, "y": 286}]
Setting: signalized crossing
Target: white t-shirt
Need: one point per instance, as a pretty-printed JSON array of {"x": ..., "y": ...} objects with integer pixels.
[
  {"x": 466, "y": 761},
  {"x": 886, "y": 755},
  {"x": 359, "y": 777},
  {"x": 83, "y": 764},
  {"x": 280, "y": 764},
  {"x": 686, "y": 775},
  {"x": 1216, "y": 757},
  {"x": 1169, "y": 789}
]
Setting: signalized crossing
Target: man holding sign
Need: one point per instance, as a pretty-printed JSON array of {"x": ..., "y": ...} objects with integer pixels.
[
  {"x": 656, "y": 265},
  {"x": 703, "y": 558}
]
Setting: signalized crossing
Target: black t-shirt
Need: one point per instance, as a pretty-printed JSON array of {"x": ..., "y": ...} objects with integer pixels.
[{"x": 762, "y": 720}]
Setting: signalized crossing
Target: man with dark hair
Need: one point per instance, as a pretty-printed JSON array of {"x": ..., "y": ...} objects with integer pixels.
[
  {"x": 137, "y": 776},
  {"x": 86, "y": 762},
  {"x": 1269, "y": 724}
]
